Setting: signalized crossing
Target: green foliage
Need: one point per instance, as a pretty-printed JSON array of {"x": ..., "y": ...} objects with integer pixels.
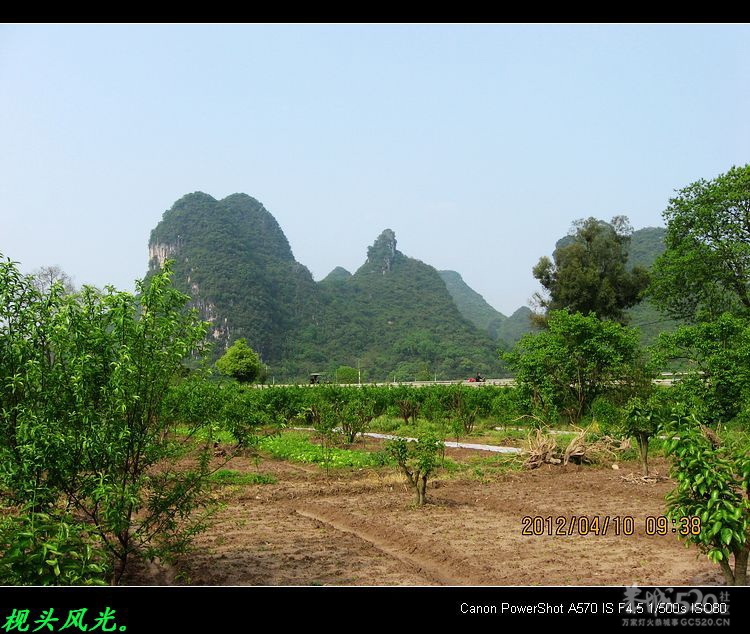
[
  {"x": 285, "y": 402},
  {"x": 718, "y": 353},
  {"x": 83, "y": 381},
  {"x": 408, "y": 410},
  {"x": 644, "y": 247},
  {"x": 204, "y": 407},
  {"x": 417, "y": 460},
  {"x": 333, "y": 409},
  {"x": 465, "y": 404},
  {"x": 359, "y": 412},
  {"x": 507, "y": 405},
  {"x": 298, "y": 448},
  {"x": 705, "y": 270},
  {"x": 43, "y": 549},
  {"x": 713, "y": 485},
  {"x": 641, "y": 420},
  {"x": 241, "y": 362},
  {"x": 579, "y": 357},
  {"x": 590, "y": 273},
  {"x": 347, "y": 374},
  {"x": 607, "y": 415}
]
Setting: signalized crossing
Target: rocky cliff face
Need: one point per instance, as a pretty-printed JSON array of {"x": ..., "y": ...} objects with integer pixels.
[
  {"x": 382, "y": 255},
  {"x": 160, "y": 252}
]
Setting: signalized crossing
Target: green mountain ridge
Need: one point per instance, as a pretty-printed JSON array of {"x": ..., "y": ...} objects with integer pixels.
[
  {"x": 470, "y": 303},
  {"x": 394, "y": 316},
  {"x": 514, "y": 327}
]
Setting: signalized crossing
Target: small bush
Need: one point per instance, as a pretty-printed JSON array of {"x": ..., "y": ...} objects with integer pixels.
[{"x": 417, "y": 460}]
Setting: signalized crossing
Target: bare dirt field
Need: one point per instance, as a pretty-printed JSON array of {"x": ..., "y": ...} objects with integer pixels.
[{"x": 360, "y": 527}]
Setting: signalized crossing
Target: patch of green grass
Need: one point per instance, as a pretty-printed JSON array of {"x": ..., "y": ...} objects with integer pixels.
[
  {"x": 220, "y": 435},
  {"x": 738, "y": 442},
  {"x": 386, "y": 424},
  {"x": 487, "y": 468},
  {"x": 229, "y": 476},
  {"x": 450, "y": 466},
  {"x": 511, "y": 437},
  {"x": 297, "y": 447}
]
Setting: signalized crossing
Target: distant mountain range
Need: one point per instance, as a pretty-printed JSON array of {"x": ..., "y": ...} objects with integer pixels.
[
  {"x": 395, "y": 317},
  {"x": 507, "y": 330}
]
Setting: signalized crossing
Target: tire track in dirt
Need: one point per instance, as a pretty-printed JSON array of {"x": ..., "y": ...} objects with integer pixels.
[{"x": 435, "y": 570}]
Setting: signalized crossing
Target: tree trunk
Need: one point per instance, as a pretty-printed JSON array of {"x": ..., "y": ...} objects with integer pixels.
[
  {"x": 643, "y": 448},
  {"x": 726, "y": 570},
  {"x": 120, "y": 565},
  {"x": 421, "y": 489},
  {"x": 740, "y": 566}
]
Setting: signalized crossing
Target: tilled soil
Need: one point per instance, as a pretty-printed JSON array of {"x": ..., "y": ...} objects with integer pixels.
[{"x": 360, "y": 527}]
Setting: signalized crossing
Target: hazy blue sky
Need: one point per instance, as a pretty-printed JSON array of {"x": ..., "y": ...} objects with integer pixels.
[{"x": 478, "y": 145}]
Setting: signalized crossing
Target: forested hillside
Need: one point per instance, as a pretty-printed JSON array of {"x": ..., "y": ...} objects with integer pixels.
[{"x": 394, "y": 316}]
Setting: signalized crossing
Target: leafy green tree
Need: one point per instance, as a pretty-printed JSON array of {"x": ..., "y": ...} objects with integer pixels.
[
  {"x": 417, "y": 460},
  {"x": 408, "y": 409},
  {"x": 705, "y": 269},
  {"x": 464, "y": 406},
  {"x": 209, "y": 406},
  {"x": 361, "y": 408},
  {"x": 347, "y": 374},
  {"x": 711, "y": 502},
  {"x": 718, "y": 353},
  {"x": 590, "y": 273},
  {"x": 578, "y": 357},
  {"x": 241, "y": 362},
  {"x": 84, "y": 378}
]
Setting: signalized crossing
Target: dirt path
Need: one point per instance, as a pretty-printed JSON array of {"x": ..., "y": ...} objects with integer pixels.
[{"x": 360, "y": 527}]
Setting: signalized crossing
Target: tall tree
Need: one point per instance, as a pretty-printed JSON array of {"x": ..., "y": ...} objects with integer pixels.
[
  {"x": 705, "y": 270},
  {"x": 589, "y": 273},
  {"x": 83, "y": 378}
]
